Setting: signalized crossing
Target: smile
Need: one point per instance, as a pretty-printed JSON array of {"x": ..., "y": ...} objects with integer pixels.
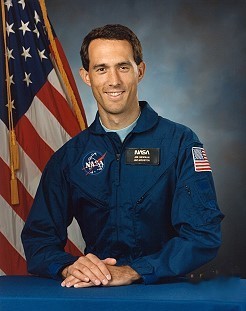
[{"x": 114, "y": 94}]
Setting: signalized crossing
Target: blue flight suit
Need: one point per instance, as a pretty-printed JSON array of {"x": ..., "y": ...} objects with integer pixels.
[{"x": 144, "y": 202}]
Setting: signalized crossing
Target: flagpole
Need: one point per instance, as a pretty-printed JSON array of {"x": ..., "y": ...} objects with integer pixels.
[
  {"x": 14, "y": 152},
  {"x": 61, "y": 68}
]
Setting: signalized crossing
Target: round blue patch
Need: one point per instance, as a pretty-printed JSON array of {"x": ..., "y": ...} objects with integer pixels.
[{"x": 93, "y": 163}]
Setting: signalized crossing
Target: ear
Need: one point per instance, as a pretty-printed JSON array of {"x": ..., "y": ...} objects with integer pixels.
[
  {"x": 141, "y": 71},
  {"x": 85, "y": 76}
]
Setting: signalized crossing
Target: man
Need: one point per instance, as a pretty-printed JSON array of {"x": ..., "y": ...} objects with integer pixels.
[{"x": 140, "y": 186}]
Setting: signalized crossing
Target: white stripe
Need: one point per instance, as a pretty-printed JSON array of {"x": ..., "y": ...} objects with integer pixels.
[
  {"x": 4, "y": 149},
  {"x": 56, "y": 81},
  {"x": 29, "y": 174},
  {"x": 2, "y": 273},
  {"x": 74, "y": 235},
  {"x": 11, "y": 226},
  {"x": 46, "y": 125}
]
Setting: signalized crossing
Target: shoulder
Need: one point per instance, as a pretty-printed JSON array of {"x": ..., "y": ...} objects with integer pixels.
[
  {"x": 70, "y": 149},
  {"x": 177, "y": 132}
]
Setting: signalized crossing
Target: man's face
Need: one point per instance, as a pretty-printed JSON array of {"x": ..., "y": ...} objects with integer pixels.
[{"x": 113, "y": 76}]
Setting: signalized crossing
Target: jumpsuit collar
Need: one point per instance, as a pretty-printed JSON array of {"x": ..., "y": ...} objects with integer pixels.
[{"x": 147, "y": 120}]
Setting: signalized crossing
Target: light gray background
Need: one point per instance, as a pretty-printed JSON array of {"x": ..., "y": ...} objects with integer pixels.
[{"x": 196, "y": 65}]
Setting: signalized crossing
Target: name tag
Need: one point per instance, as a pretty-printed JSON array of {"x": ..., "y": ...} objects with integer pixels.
[{"x": 144, "y": 156}]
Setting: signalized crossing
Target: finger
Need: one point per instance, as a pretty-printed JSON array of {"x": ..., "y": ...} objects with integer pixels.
[
  {"x": 89, "y": 270},
  {"x": 110, "y": 261},
  {"x": 99, "y": 268},
  {"x": 83, "y": 284},
  {"x": 71, "y": 281}
]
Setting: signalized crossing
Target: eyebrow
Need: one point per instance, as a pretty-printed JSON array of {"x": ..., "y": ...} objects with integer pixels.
[
  {"x": 99, "y": 65},
  {"x": 118, "y": 64}
]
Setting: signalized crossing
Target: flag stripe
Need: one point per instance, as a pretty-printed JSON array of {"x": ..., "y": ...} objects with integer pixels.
[
  {"x": 33, "y": 145},
  {"x": 75, "y": 235},
  {"x": 29, "y": 175},
  {"x": 4, "y": 148},
  {"x": 49, "y": 96},
  {"x": 15, "y": 264},
  {"x": 8, "y": 219},
  {"x": 26, "y": 200},
  {"x": 73, "y": 249},
  {"x": 51, "y": 130}
]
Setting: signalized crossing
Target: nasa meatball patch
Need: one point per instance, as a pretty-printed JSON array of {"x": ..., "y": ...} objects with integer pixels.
[
  {"x": 94, "y": 163},
  {"x": 143, "y": 156}
]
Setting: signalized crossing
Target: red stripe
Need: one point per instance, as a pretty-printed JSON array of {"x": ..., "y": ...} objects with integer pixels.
[
  {"x": 33, "y": 145},
  {"x": 72, "y": 249},
  {"x": 26, "y": 200},
  {"x": 59, "y": 107},
  {"x": 202, "y": 163},
  {"x": 11, "y": 262}
]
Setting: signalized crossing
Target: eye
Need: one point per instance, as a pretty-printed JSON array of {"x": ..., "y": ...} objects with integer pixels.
[
  {"x": 101, "y": 70},
  {"x": 124, "y": 68}
]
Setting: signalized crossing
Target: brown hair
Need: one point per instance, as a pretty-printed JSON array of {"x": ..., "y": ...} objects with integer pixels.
[{"x": 111, "y": 32}]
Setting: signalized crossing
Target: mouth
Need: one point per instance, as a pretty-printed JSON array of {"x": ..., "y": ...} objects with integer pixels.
[{"x": 114, "y": 94}]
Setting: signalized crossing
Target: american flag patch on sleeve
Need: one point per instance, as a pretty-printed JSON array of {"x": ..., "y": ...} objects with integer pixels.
[{"x": 201, "y": 163}]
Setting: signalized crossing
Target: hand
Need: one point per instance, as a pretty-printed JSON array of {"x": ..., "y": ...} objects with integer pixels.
[
  {"x": 88, "y": 269},
  {"x": 123, "y": 275}
]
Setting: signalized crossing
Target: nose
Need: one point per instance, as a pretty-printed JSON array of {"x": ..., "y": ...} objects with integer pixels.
[{"x": 114, "y": 78}]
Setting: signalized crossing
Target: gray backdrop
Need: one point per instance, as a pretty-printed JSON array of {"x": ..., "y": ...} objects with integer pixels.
[{"x": 196, "y": 65}]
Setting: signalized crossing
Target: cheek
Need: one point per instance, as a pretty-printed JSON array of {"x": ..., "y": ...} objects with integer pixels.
[{"x": 97, "y": 83}]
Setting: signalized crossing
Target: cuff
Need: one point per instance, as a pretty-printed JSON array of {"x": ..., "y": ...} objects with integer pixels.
[
  {"x": 55, "y": 269},
  {"x": 144, "y": 269}
]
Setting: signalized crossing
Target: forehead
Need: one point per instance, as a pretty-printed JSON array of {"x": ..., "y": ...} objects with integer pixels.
[{"x": 103, "y": 50}]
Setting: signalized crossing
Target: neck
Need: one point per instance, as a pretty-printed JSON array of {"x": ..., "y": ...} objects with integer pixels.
[{"x": 118, "y": 121}]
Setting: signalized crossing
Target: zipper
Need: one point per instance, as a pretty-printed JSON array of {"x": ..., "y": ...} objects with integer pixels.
[
  {"x": 187, "y": 188},
  {"x": 95, "y": 201},
  {"x": 140, "y": 200}
]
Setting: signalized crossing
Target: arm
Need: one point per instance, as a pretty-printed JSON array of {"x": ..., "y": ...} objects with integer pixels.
[
  {"x": 45, "y": 233},
  {"x": 196, "y": 219}
]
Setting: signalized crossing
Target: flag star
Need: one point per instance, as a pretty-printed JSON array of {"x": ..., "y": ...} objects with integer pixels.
[
  {"x": 11, "y": 79},
  {"x": 27, "y": 79},
  {"x": 8, "y": 3},
  {"x": 22, "y": 2},
  {"x": 9, "y": 54},
  {"x": 36, "y": 17},
  {"x": 44, "y": 29},
  {"x": 36, "y": 31},
  {"x": 9, "y": 28},
  {"x": 26, "y": 53},
  {"x": 24, "y": 27},
  {"x": 41, "y": 55},
  {"x": 11, "y": 105}
]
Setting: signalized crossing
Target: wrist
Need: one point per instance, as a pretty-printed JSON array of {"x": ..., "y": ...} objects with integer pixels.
[{"x": 135, "y": 277}]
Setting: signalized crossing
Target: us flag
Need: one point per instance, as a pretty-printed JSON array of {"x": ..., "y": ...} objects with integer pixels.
[
  {"x": 200, "y": 160},
  {"x": 40, "y": 110}
]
